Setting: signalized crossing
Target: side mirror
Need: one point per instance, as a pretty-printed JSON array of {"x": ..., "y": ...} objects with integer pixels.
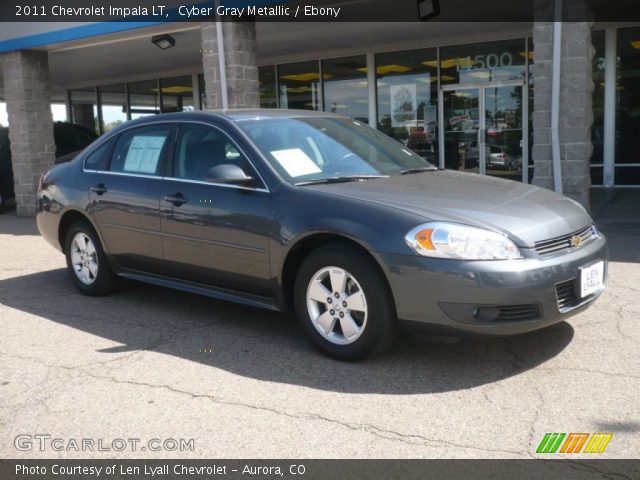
[{"x": 229, "y": 174}]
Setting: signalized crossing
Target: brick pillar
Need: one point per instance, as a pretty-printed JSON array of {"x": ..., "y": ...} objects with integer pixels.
[
  {"x": 576, "y": 112},
  {"x": 26, "y": 89},
  {"x": 241, "y": 56}
]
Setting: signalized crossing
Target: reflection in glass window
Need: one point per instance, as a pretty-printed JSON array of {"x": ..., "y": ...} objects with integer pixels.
[
  {"x": 203, "y": 92},
  {"x": 408, "y": 99},
  {"x": 84, "y": 108},
  {"x": 144, "y": 98},
  {"x": 597, "y": 129},
  {"x": 531, "y": 109},
  {"x": 628, "y": 108},
  {"x": 299, "y": 85},
  {"x": 267, "y": 79},
  {"x": 177, "y": 94},
  {"x": 114, "y": 106},
  {"x": 345, "y": 87},
  {"x": 483, "y": 62}
]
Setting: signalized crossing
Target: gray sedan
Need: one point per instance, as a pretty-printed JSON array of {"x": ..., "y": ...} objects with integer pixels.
[{"x": 323, "y": 215}]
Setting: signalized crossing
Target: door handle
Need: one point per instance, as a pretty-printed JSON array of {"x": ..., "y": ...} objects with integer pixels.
[
  {"x": 99, "y": 189},
  {"x": 177, "y": 199}
]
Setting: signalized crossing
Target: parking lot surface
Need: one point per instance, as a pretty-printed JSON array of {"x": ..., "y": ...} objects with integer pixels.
[{"x": 150, "y": 363}]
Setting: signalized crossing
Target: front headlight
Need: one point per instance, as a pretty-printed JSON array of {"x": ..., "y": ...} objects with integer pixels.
[{"x": 450, "y": 240}]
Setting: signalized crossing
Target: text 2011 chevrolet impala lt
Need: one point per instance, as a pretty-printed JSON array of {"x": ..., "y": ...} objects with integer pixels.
[{"x": 286, "y": 209}]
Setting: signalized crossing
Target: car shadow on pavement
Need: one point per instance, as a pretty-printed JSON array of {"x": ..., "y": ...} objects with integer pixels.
[
  {"x": 268, "y": 345},
  {"x": 11, "y": 224}
]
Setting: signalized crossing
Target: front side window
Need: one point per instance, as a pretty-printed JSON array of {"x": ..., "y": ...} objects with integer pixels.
[
  {"x": 316, "y": 148},
  {"x": 140, "y": 151},
  {"x": 200, "y": 148}
]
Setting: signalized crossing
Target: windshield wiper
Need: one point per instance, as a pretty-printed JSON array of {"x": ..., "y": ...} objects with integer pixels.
[
  {"x": 418, "y": 170},
  {"x": 341, "y": 179}
]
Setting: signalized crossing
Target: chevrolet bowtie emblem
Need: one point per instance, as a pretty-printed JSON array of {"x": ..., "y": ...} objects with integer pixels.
[{"x": 576, "y": 241}]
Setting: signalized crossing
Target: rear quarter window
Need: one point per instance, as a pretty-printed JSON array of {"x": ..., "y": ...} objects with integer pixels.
[{"x": 99, "y": 158}]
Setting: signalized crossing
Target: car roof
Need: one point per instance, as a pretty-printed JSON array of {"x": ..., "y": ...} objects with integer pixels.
[
  {"x": 235, "y": 115},
  {"x": 264, "y": 113},
  {"x": 229, "y": 115}
]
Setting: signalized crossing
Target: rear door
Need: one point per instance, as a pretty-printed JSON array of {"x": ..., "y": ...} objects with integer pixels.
[
  {"x": 125, "y": 197},
  {"x": 214, "y": 234}
]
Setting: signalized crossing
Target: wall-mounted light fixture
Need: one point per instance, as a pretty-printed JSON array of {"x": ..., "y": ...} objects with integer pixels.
[
  {"x": 427, "y": 9},
  {"x": 163, "y": 41}
]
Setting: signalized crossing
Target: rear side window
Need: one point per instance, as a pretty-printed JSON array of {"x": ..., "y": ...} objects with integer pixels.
[
  {"x": 99, "y": 158},
  {"x": 140, "y": 151}
]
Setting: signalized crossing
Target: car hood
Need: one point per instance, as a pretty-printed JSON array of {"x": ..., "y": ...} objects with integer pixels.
[{"x": 526, "y": 213}]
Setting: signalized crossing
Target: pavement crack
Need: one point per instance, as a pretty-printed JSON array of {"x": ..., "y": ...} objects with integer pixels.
[
  {"x": 586, "y": 370},
  {"x": 412, "y": 439}
]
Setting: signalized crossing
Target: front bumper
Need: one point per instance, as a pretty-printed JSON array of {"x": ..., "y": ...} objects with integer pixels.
[{"x": 467, "y": 296}]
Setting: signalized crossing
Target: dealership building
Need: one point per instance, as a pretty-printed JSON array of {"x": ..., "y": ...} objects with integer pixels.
[{"x": 554, "y": 104}]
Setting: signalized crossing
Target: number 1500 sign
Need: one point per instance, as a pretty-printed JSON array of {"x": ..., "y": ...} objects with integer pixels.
[{"x": 481, "y": 62}]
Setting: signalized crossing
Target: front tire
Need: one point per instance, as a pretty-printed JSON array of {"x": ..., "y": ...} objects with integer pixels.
[
  {"x": 343, "y": 303},
  {"x": 87, "y": 262}
]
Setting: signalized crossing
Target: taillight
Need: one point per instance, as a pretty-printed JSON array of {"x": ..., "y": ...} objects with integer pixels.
[
  {"x": 41, "y": 183},
  {"x": 501, "y": 155}
]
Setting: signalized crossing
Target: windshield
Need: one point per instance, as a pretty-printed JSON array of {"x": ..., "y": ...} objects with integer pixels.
[{"x": 309, "y": 149}]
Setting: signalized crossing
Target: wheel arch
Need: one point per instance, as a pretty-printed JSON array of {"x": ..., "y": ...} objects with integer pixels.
[
  {"x": 69, "y": 218},
  {"x": 304, "y": 246}
]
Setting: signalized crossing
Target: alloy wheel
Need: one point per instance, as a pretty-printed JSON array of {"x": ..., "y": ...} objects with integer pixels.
[
  {"x": 337, "y": 305},
  {"x": 84, "y": 258}
]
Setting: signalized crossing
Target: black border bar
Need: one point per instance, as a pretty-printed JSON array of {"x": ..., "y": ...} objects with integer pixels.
[{"x": 565, "y": 469}]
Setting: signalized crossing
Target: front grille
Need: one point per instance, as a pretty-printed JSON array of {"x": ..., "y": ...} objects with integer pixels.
[
  {"x": 518, "y": 313},
  {"x": 567, "y": 298},
  {"x": 563, "y": 243}
]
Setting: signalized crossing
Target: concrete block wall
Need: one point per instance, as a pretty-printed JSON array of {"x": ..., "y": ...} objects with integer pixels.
[
  {"x": 28, "y": 98},
  {"x": 576, "y": 113},
  {"x": 241, "y": 57}
]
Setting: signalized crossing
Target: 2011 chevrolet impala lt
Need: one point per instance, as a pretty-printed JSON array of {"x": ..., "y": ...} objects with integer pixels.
[{"x": 319, "y": 213}]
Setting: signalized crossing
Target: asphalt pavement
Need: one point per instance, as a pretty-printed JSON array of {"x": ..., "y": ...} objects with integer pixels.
[{"x": 228, "y": 381}]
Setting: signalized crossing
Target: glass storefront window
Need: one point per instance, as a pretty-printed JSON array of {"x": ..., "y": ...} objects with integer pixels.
[
  {"x": 299, "y": 85},
  {"x": 627, "y": 161},
  {"x": 484, "y": 62},
  {"x": 144, "y": 98},
  {"x": 203, "y": 92},
  {"x": 268, "y": 94},
  {"x": 530, "y": 60},
  {"x": 345, "y": 87},
  {"x": 408, "y": 99},
  {"x": 84, "y": 108},
  {"x": 177, "y": 94},
  {"x": 597, "y": 129},
  {"x": 113, "y": 102}
]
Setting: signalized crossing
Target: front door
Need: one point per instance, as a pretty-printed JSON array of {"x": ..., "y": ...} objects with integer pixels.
[
  {"x": 483, "y": 129},
  {"x": 214, "y": 234}
]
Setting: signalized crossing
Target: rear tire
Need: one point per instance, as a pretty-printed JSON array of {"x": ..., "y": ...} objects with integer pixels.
[
  {"x": 86, "y": 261},
  {"x": 343, "y": 303}
]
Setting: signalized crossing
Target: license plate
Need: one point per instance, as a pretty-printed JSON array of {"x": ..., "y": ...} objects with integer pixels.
[{"x": 591, "y": 279}]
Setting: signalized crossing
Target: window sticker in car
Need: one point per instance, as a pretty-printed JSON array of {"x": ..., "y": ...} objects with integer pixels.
[
  {"x": 295, "y": 162},
  {"x": 143, "y": 154}
]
